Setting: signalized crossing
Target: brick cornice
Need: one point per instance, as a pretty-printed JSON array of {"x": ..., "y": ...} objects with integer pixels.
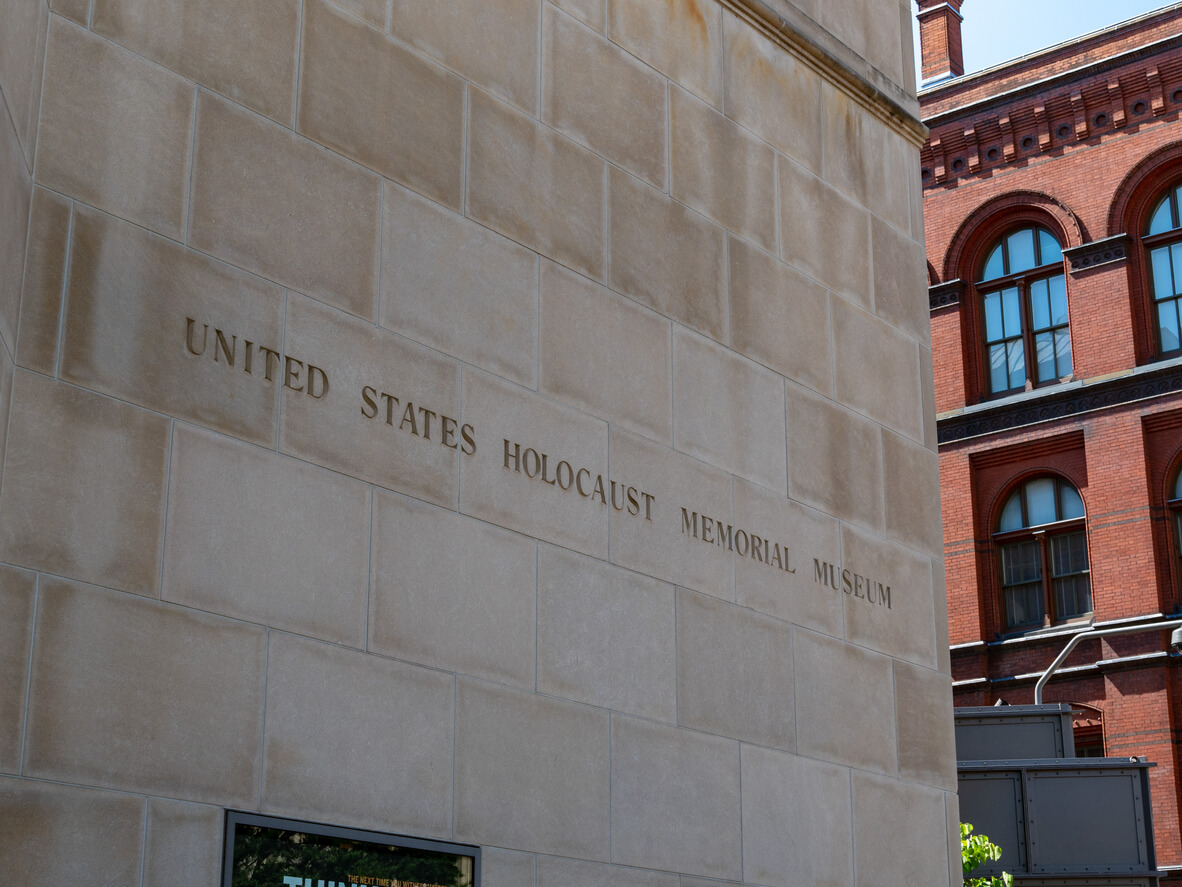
[
  {"x": 1098, "y": 252},
  {"x": 944, "y": 295},
  {"x": 1060, "y": 404}
]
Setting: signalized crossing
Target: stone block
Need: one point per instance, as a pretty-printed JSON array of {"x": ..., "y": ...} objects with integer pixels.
[
  {"x": 590, "y": 12},
  {"x": 493, "y": 43},
  {"x": 845, "y": 704},
  {"x": 535, "y": 186},
  {"x": 835, "y": 459},
  {"x": 603, "y": 97},
  {"x": 720, "y": 169},
  {"x": 868, "y": 28},
  {"x": 45, "y": 275},
  {"x": 75, "y": 10},
  {"x": 22, "y": 58},
  {"x": 115, "y": 130},
  {"x": 555, "y": 871},
  {"x": 57, "y": 834},
  {"x": 774, "y": 94},
  {"x": 675, "y": 800},
  {"x": 790, "y": 592},
  {"x": 389, "y": 412},
  {"x": 911, "y": 475},
  {"x": 357, "y": 739},
  {"x": 183, "y": 844},
  {"x": 879, "y": 856},
  {"x": 662, "y": 541},
  {"x": 100, "y": 655},
  {"x": 16, "y": 197},
  {"x": 376, "y": 12},
  {"x": 667, "y": 256},
  {"x": 940, "y": 600},
  {"x": 682, "y": 39},
  {"x": 605, "y": 354},
  {"x": 455, "y": 285},
  {"x": 162, "y": 326},
  {"x": 927, "y": 387},
  {"x": 952, "y": 813},
  {"x": 900, "y": 281},
  {"x": 506, "y": 868},
  {"x": 242, "y": 49},
  {"x": 292, "y": 552},
  {"x": 904, "y": 629},
  {"x": 420, "y": 591},
  {"x": 17, "y": 599},
  {"x": 797, "y": 821},
  {"x": 824, "y": 234},
  {"x": 734, "y": 672},
  {"x": 84, "y": 493},
  {"x": 780, "y": 317},
  {"x": 864, "y": 158},
  {"x": 276, "y": 204},
  {"x": 506, "y": 481},
  {"x": 923, "y": 716},
  {"x": 531, "y": 772},
  {"x": 371, "y": 99},
  {"x": 606, "y": 636},
  {"x": 726, "y": 410}
]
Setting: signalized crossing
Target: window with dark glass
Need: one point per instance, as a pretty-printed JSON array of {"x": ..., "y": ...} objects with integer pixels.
[
  {"x": 1163, "y": 239},
  {"x": 1024, "y": 302},
  {"x": 1043, "y": 546}
]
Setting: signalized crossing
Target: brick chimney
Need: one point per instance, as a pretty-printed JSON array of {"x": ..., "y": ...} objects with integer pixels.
[{"x": 939, "y": 39}]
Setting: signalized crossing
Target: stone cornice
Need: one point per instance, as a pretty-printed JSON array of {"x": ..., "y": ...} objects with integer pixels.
[
  {"x": 1060, "y": 403},
  {"x": 831, "y": 58},
  {"x": 1098, "y": 252},
  {"x": 942, "y": 295}
]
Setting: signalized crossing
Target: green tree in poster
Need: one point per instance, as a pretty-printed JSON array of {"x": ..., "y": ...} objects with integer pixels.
[{"x": 263, "y": 857}]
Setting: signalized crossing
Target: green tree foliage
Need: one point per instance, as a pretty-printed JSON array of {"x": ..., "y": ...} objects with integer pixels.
[
  {"x": 263, "y": 856},
  {"x": 975, "y": 851}
]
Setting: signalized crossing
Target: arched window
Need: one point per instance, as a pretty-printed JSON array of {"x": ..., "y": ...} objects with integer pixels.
[
  {"x": 1044, "y": 554},
  {"x": 1024, "y": 305},
  {"x": 1175, "y": 505},
  {"x": 1163, "y": 239}
]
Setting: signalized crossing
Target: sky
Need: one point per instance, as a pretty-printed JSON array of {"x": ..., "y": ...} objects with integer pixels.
[{"x": 995, "y": 31}]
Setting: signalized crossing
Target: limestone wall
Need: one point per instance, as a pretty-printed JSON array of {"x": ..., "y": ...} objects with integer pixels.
[{"x": 501, "y": 421}]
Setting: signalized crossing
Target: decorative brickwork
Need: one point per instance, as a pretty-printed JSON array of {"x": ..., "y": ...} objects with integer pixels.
[{"x": 1083, "y": 139}]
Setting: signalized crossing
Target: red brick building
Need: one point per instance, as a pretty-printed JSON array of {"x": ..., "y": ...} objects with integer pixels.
[{"x": 1053, "y": 209}]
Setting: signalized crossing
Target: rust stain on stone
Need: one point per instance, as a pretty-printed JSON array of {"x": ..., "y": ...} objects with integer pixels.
[{"x": 691, "y": 11}]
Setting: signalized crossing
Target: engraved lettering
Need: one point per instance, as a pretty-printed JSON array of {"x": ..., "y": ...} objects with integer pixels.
[
  {"x": 391, "y": 402},
  {"x": 190, "y": 323},
  {"x": 742, "y": 543},
  {"x": 847, "y": 582},
  {"x": 689, "y": 526},
  {"x": 468, "y": 434},
  {"x": 633, "y": 502},
  {"x": 314, "y": 373},
  {"x": 267, "y": 370},
  {"x": 545, "y": 479},
  {"x": 447, "y": 426},
  {"x": 757, "y": 548},
  {"x": 249, "y": 358},
  {"x": 649, "y": 498},
  {"x": 599, "y": 489},
  {"x": 515, "y": 455},
  {"x": 858, "y": 586},
  {"x": 408, "y": 416},
  {"x": 776, "y": 560},
  {"x": 291, "y": 376},
  {"x": 367, "y": 400},
  {"x": 579, "y": 482},
  {"x": 707, "y": 529},
  {"x": 570, "y": 475},
  {"x": 226, "y": 348},
  {"x": 427, "y": 417},
  {"x": 726, "y": 538},
  {"x": 525, "y": 463}
]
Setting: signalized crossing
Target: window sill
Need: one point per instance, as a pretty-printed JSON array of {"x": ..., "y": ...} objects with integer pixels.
[{"x": 1062, "y": 401}]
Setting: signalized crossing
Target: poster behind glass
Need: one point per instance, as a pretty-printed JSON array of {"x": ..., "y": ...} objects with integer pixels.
[{"x": 263, "y": 851}]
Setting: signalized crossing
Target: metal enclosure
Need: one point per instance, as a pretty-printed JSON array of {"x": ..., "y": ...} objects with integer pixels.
[{"x": 1014, "y": 731}]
